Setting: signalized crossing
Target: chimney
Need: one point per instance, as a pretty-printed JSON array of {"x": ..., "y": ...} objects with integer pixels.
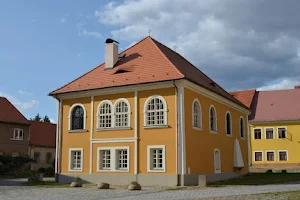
[
  {"x": 111, "y": 53},
  {"x": 297, "y": 86}
]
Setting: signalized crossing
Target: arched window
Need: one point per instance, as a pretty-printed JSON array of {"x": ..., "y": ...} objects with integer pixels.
[
  {"x": 217, "y": 161},
  {"x": 212, "y": 119},
  {"x": 105, "y": 114},
  {"x": 122, "y": 112},
  {"x": 242, "y": 128},
  {"x": 197, "y": 114},
  {"x": 77, "y": 116},
  {"x": 155, "y": 110},
  {"x": 228, "y": 123}
]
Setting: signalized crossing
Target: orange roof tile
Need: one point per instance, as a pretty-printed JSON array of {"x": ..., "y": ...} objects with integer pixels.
[
  {"x": 244, "y": 96},
  {"x": 9, "y": 113},
  {"x": 42, "y": 134}
]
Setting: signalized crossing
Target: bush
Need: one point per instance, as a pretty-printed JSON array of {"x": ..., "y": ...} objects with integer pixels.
[
  {"x": 77, "y": 179},
  {"x": 49, "y": 172},
  {"x": 25, "y": 173},
  {"x": 284, "y": 171},
  {"x": 11, "y": 164},
  {"x": 32, "y": 180},
  {"x": 42, "y": 170},
  {"x": 269, "y": 171}
]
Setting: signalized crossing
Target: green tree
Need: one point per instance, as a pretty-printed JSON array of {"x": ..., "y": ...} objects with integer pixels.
[
  {"x": 46, "y": 119},
  {"x": 36, "y": 118}
]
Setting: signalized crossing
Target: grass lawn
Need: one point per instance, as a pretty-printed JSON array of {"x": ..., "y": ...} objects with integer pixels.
[{"x": 47, "y": 184}]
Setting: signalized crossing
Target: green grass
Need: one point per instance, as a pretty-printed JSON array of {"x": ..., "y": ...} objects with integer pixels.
[
  {"x": 47, "y": 184},
  {"x": 260, "y": 179}
]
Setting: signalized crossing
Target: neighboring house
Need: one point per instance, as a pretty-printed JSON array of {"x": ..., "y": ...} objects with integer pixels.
[
  {"x": 42, "y": 144},
  {"x": 149, "y": 115},
  {"x": 274, "y": 127},
  {"x": 14, "y": 130}
]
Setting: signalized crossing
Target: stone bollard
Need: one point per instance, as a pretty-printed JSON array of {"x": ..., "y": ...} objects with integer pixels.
[{"x": 202, "y": 180}]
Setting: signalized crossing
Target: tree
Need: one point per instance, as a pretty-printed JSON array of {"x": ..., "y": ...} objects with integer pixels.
[
  {"x": 46, "y": 119},
  {"x": 36, "y": 118}
]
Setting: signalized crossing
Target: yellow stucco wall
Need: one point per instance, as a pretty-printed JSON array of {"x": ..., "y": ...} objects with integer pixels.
[
  {"x": 291, "y": 143},
  {"x": 200, "y": 144}
]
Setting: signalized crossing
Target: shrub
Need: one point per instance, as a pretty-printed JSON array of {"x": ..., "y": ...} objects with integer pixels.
[
  {"x": 77, "y": 179},
  {"x": 284, "y": 171},
  {"x": 49, "y": 172},
  {"x": 42, "y": 170},
  {"x": 269, "y": 171},
  {"x": 11, "y": 164},
  {"x": 32, "y": 180}
]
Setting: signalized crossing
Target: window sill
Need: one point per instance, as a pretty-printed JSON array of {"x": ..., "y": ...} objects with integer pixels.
[
  {"x": 198, "y": 128},
  {"x": 108, "y": 170},
  {"x": 229, "y": 135},
  {"x": 156, "y": 127},
  {"x": 243, "y": 138},
  {"x": 157, "y": 171},
  {"x": 218, "y": 171},
  {"x": 75, "y": 170},
  {"x": 213, "y": 132},
  {"x": 113, "y": 129},
  {"x": 77, "y": 131}
]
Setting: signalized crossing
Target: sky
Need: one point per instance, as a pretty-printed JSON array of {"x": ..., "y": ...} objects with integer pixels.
[{"x": 239, "y": 44}]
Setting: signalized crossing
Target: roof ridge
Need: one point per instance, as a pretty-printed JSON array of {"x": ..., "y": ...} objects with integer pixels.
[
  {"x": 5, "y": 98},
  {"x": 254, "y": 89},
  {"x": 94, "y": 68}
]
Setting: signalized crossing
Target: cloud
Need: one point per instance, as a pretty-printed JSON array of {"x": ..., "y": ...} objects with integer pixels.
[
  {"x": 239, "y": 44},
  {"x": 62, "y": 20},
  {"x": 93, "y": 34},
  {"x": 22, "y": 92},
  {"x": 21, "y": 105},
  {"x": 283, "y": 84},
  {"x": 52, "y": 121}
]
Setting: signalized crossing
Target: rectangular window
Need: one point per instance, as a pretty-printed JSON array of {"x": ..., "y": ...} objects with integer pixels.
[
  {"x": 18, "y": 134},
  {"x": 37, "y": 156},
  {"x": 49, "y": 158},
  {"x": 257, "y": 133},
  {"x": 270, "y": 156},
  {"x": 105, "y": 160},
  {"x": 76, "y": 158},
  {"x": 15, "y": 154},
  {"x": 122, "y": 159},
  {"x": 282, "y": 155},
  {"x": 156, "y": 158},
  {"x": 282, "y": 132},
  {"x": 269, "y": 133},
  {"x": 258, "y": 156},
  {"x": 113, "y": 159}
]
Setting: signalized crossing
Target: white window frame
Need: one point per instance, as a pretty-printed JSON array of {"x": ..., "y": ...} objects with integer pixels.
[
  {"x": 128, "y": 113},
  {"x": 199, "y": 114},
  {"x": 217, "y": 171},
  {"x": 216, "y": 118},
  {"x": 270, "y": 151},
  {"x": 113, "y": 159},
  {"x": 165, "y": 110},
  {"x": 262, "y": 156},
  {"x": 70, "y": 117},
  {"x": 261, "y": 133},
  {"x": 228, "y": 112},
  {"x": 286, "y": 132},
  {"x": 149, "y": 161},
  {"x": 112, "y": 114},
  {"x": 70, "y": 159},
  {"x": 265, "y": 129},
  {"x": 287, "y": 155},
  {"x": 242, "y": 118},
  {"x": 18, "y": 135}
]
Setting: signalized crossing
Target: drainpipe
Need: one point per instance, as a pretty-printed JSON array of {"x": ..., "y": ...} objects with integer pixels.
[{"x": 177, "y": 127}]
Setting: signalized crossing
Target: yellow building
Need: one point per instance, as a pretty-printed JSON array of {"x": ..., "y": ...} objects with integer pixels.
[
  {"x": 274, "y": 128},
  {"x": 147, "y": 114}
]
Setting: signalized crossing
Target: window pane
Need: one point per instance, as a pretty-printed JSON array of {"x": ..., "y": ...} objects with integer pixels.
[
  {"x": 258, "y": 156},
  {"x": 270, "y": 156},
  {"x": 155, "y": 114},
  {"x": 257, "y": 133},
  {"x": 269, "y": 133},
  {"x": 77, "y": 118}
]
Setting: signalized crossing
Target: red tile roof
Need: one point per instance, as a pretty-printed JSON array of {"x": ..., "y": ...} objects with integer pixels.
[
  {"x": 9, "y": 113},
  {"x": 147, "y": 61},
  {"x": 42, "y": 134},
  {"x": 244, "y": 96}
]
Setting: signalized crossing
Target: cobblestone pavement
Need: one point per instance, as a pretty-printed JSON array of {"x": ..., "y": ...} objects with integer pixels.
[{"x": 17, "y": 192}]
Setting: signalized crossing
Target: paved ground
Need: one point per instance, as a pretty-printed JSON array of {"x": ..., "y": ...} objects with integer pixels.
[{"x": 11, "y": 190}]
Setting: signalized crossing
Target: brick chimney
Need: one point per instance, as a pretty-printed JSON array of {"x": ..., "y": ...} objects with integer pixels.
[
  {"x": 297, "y": 86},
  {"x": 111, "y": 53}
]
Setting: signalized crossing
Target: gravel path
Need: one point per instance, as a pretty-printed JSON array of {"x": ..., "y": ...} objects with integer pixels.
[{"x": 15, "y": 192}]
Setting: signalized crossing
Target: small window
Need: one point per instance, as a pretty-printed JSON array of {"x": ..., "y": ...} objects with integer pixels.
[
  {"x": 18, "y": 134},
  {"x": 212, "y": 119},
  {"x": 242, "y": 128},
  {"x": 197, "y": 114},
  {"x": 257, "y": 134},
  {"x": 15, "y": 154},
  {"x": 49, "y": 158},
  {"x": 217, "y": 160},
  {"x": 105, "y": 160},
  {"x": 228, "y": 123},
  {"x": 258, "y": 156},
  {"x": 76, "y": 158},
  {"x": 122, "y": 114},
  {"x": 270, "y": 156},
  {"x": 282, "y": 133},
  {"x": 105, "y": 115},
  {"x": 77, "y": 118},
  {"x": 37, "y": 156},
  {"x": 155, "y": 111},
  {"x": 269, "y": 133},
  {"x": 156, "y": 158},
  {"x": 122, "y": 159},
  {"x": 282, "y": 155}
]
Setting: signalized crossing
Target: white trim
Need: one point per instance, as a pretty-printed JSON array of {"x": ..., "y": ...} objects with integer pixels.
[
  {"x": 228, "y": 112},
  {"x": 110, "y": 140},
  {"x": 272, "y": 151},
  {"x": 14, "y": 135},
  {"x": 70, "y": 116},
  {"x": 217, "y": 171},
  {"x": 112, "y": 113},
  {"x": 56, "y": 140},
  {"x": 129, "y": 112},
  {"x": 248, "y": 142},
  {"x": 287, "y": 155},
  {"x": 261, "y": 133},
  {"x": 200, "y": 115},
  {"x": 135, "y": 131},
  {"x": 216, "y": 115},
  {"x": 149, "y": 148},
  {"x": 265, "y": 133},
  {"x": 262, "y": 156},
  {"x": 244, "y": 131},
  {"x": 113, "y": 159},
  {"x": 81, "y": 160},
  {"x": 91, "y": 134},
  {"x": 286, "y": 132},
  {"x": 60, "y": 135},
  {"x": 165, "y": 110},
  {"x": 181, "y": 136}
]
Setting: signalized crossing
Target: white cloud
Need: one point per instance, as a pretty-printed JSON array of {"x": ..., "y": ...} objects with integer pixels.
[
  {"x": 63, "y": 20},
  {"x": 23, "y": 92},
  {"x": 21, "y": 105},
  {"x": 283, "y": 84},
  {"x": 93, "y": 34},
  {"x": 52, "y": 121}
]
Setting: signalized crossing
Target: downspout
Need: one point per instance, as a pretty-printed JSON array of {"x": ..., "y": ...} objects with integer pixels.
[
  {"x": 177, "y": 127},
  {"x": 58, "y": 141}
]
